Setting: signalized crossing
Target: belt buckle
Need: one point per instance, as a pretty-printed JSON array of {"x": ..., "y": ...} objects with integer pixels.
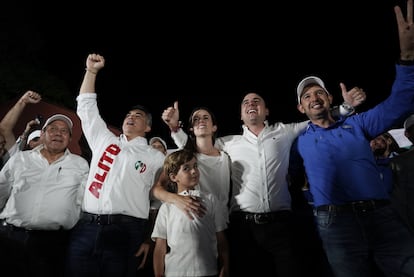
[
  {"x": 98, "y": 219},
  {"x": 332, "y": 208},
  {"x": 260, "y": 219},
  {"x": 103, "y": 219},
  {"x": 362, "y": 206}
]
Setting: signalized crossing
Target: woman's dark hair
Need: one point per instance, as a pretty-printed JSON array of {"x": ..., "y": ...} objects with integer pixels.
[{"x": 191, "y": 141}]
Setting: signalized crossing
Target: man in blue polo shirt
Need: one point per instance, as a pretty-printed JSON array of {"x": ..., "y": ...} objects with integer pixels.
[{"x": 351, "y": 203}]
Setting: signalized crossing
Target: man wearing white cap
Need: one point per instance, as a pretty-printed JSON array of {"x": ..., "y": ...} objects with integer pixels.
[
  {"x": 33, "y": 139},
  {"x": 40, "y": 194},
  {"x": 351, "y": 202},
  {"x": 31, "y": 129},
  {"x": 159, "y": 144}
]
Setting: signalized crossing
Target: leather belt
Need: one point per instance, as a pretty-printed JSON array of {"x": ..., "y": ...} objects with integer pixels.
[
  {"x": 356, "y": 206},
  {"x": 10, "y": 227},
  {"x": 262, "y": 218},
  {"x": 106, "y": 219}
]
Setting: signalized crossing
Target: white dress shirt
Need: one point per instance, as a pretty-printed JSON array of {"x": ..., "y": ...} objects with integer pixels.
[
  {"x": 122, "y": 172},
  {"x": 259, "y": 166},
  {"x": 39, "y": 195}
]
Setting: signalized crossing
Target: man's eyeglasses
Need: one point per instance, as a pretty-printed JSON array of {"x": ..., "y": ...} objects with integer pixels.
[{"x": 54, "y": 129}]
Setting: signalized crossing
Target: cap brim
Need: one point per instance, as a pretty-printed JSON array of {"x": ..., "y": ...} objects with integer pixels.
[
  {"x": 34, "y": 134},
  {"x": 62, "y": 117},
  {"x": 306, "y": 82},
  {"x": 160, "y": 140}
]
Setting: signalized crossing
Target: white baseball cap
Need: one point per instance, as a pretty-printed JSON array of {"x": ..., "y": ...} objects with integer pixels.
[
  {"x": 62, "y": 117},
  {"x": 34, "y": 134},
  {"x": 307, "y": 81},
  {"x": 153, "y": 139}
]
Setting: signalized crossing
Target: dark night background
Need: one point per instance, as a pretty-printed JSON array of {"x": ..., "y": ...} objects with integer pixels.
[{"x": 200, "y": 53}]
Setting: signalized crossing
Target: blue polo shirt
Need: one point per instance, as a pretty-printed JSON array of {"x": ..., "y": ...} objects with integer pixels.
[{"x": 338, "y": 160}]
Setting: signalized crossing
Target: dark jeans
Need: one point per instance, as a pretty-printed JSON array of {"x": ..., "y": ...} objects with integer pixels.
[
  {"x": 310, "y": 257},
  {"x": 352, "y": 238},
  {"x": 97, "y": 249},
  {"x": 32, "y": 253},
  {"x": 261, "y": 248}
]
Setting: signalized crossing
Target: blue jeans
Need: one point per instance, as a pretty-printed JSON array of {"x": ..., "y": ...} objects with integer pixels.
[
  {"x": 105, "y": 250},
  {"x": 352, "y": 239}
]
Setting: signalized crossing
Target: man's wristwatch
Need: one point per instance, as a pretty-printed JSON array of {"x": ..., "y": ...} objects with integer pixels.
[{"x": 345, "y": 108}]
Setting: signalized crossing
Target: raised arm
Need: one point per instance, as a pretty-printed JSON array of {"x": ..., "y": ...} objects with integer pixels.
[
  {"x": 405, "y": 33},
  {"x": 171, "y": 117},
  {"x": 94, "y": 63},
  {"x": 22, "y": 141},
  {"x": 9, "y": 121},
  {"x": 354, "y": 97}
]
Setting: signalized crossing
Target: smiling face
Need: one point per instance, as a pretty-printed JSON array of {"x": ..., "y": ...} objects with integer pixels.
[
  {"x": 56, "y": 136},
  {"x": 202, "y": 124},
  {"x": 253, "y": 109},
  {"x": 315, "y": 102},
  {"x": 136, "y": 123}
]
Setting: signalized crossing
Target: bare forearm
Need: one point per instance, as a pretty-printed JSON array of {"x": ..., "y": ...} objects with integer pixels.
[
  {"x": 10, "y": 119},
  {"x": 159, "y": 257},
  {"x": 94, "y": 63},
  {"x": 88, "y": 83},
  {"x": 159, "y": 191}
]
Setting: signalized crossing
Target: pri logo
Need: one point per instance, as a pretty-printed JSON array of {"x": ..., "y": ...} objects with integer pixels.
[{"x": 140, "y": 166}]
